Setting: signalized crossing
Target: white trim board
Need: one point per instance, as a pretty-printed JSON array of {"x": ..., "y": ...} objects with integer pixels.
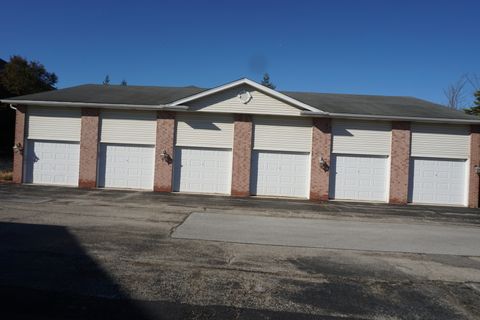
[
  {"x": 387, "y": 118},
  {"x": 253, "y": 84},
  {"x": 93, "y": 105}
]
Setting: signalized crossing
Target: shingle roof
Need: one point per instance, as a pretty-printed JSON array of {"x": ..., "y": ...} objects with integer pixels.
[
  {"x": 377, "y": 105},
  {"x": 114, "y": 94},
  {"x": 327, "y": 102}
]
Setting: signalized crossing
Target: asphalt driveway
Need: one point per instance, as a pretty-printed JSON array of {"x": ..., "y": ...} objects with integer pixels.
[
  {"x": 94, "y": 254},
  {"x": 332, "y": 234}
]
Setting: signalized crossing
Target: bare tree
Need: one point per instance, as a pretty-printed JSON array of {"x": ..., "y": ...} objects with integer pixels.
[
  {"x": 455, "y": 93},
  {"x": 473, "y": 80}
]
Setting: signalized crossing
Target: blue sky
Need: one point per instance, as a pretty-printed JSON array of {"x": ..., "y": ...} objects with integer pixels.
[{"x": 410, "y": 48}]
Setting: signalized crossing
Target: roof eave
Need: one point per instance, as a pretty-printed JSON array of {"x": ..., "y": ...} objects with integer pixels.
[
  {"x": 388, "y": 118},
  {"x": 94, "y": 105}
]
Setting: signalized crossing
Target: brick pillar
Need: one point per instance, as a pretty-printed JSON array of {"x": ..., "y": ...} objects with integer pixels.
[
  {"x": 473, "y": 190},
  {"x": 242, "y": 155},
  {"x": 87, "y": 177},
  {"x": 165, "y": 141},
  {"x": 321, "y": 148},
  {"x": 19, "y": 140},
  {"x": 399, "y": 162}
]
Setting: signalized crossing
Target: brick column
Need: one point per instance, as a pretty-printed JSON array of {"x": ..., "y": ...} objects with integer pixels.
[
  {"x": 242, "y": 155},
  {"x": 87, "y": 177},
  {"x": 165, "y": 141},
  {"x": 321, "y": 148},
  {"x": 399, "y": 162},
  {"x": 473, "y": 190},
  {"x": 19, "y": 140}
]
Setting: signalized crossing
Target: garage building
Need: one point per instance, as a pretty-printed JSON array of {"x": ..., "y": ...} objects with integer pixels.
[{"x": 243, "y": 139}]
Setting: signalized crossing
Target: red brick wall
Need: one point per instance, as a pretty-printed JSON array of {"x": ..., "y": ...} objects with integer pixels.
[
  {"x": 400, "y": 161},
  {"x": 165, "y": 141},
  {"x": 321, "y": 148},
  {"x": 473, "y": 192},
  {"x": 89, "y": 148},
  {"x": 19, "y": 139},
  {"x": 242, "y": 155}
]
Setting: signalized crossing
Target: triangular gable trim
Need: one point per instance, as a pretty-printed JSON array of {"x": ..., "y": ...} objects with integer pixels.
[{"x": 259, "y": 87}]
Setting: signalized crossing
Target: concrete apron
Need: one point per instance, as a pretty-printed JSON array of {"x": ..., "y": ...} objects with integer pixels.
[{"x": 332, "y": 234}]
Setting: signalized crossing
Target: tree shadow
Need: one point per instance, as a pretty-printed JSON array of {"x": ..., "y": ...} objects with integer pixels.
[{"x": 46, "y": 274}]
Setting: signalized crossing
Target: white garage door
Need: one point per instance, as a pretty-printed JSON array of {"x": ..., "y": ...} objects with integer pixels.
[
  {"x": 126, "y": 166},
  {"x": 355, "y": 177},
  {"x": 439, "y": 181},
  {"x": 280, "y": 174},
  {"x": 52, "y": 162},
  {"x": 204, "y": 170}
]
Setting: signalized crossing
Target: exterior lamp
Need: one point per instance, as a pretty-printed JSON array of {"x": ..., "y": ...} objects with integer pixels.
[
  {"x": 324, "y": 165},
  {"x": 165, "y": 157}
]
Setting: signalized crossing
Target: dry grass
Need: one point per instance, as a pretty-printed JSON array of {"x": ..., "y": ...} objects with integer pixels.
[{"x": 6, "y": 175}]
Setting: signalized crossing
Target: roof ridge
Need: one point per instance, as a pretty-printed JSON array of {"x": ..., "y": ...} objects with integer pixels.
[
  {"x": 133, "y": 85},
  {"x": 349, "y": 94}
]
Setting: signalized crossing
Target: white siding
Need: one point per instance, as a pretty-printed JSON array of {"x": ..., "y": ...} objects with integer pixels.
[
  {"x": 440, "y": 140},
  {"x": 128, "y": 127},
  {"x": 54, "y": 124},
  {"x": 361, "y": 137},
  {"x": 204, "y": 130},
  {"x": 228, "y": 102},
  {"x": 282, "y": 134}
]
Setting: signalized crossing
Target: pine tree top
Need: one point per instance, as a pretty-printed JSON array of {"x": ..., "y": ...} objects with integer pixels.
[{"x": 266, "y": 82}]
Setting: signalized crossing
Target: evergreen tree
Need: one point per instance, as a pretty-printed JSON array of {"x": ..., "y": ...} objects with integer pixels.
[
  {"x": 106, "y": 81},
  {"x": 266, "y": 82},
  {"x": 475, "y": 110},
  {"x": 20, "y": 76}
]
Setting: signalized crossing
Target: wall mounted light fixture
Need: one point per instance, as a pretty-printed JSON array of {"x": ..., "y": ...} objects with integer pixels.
[
  {"x": 324, "y": 165},
  {"x": 18, "y": 148},
  {"x": 165, "y": 157}
]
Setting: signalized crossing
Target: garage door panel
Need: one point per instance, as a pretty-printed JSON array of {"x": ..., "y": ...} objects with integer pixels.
[
  {"x": 202, "y": 170},
  {"x": 52, "y": 162},
  {"x": 280, "y": 174},
  {"x": 126, "y": 166},
  {"x": 437, "y": 181},
  {"x": 355, "y": 177}
]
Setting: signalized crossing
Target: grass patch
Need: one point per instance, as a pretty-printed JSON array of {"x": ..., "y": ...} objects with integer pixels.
[{"x": 6, "y": 175}]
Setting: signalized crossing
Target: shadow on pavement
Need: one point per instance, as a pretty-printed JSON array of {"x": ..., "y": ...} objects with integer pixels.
[{"x": 46, "y": 274}]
